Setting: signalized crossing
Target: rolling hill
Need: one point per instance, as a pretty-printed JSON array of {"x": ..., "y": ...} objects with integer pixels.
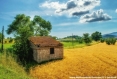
[{"x": 113, "y": 34}]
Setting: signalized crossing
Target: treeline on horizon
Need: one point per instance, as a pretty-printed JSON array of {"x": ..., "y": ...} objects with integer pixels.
[{"x": 87, "y": 38}]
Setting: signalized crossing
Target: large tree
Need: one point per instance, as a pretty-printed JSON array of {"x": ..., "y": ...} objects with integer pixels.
[
  {"x": 42, "y": 27},
  {"x": 22, "y": 28},
  {"x": 96, "y": 36}
]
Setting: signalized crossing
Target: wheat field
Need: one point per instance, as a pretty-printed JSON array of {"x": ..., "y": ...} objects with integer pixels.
[{"x": 98, "y": 60}]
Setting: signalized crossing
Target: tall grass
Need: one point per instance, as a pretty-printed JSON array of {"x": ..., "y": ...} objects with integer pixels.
[{"x": 9, "y": 69}]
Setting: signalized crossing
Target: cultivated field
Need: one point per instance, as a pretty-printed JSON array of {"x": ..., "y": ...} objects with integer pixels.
[{"x": 96, "y": 60}]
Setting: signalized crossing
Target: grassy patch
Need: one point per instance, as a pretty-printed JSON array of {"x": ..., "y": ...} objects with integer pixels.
[
  {"x": 9, "y": 69},
  {"x": 7, "y": 45}
]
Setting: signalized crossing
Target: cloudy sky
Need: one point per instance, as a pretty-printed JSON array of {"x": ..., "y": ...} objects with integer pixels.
[{"x": 66, "y": 16}]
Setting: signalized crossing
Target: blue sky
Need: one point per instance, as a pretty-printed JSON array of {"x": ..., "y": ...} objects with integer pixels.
[{"x": 66, "y": 16}]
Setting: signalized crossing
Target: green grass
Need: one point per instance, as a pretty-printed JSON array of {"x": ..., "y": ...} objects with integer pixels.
[
  {"x": 9, "y": 69},
  {"x": 7, "y": 45},
  {"x": 76, "y": 44}
]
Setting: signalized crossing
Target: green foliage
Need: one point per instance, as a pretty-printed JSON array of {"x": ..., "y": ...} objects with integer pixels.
[
  {"x": 8, "y": 45},
  {"x": 68, "y": 40},
  {"x": 23, "y": 28},
  {"x": 20, "y": 21},
  {"x": 96, "y": 36},
  {"x": 22, "y": 47},
  {"x": 87, "y": 38},
  {"x": 73, "y": 38},
  {"x": 41, "y": 26},
  {"x": 54, "y": 37},
  {"x": 110, "y": 41},
  {"x": 76, "y": 44},
  {"x": 102, "y": 40},
  {"x": 80, "y": 40},
  {"x": 9, "y": 69},
  {"x": 10, "y": 40},
  {"x": 72, "y": 45}
]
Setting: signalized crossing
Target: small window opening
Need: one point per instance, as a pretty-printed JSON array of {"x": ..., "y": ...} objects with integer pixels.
[
  {"x": 51, "y": 50},
  {"x": 38, "y": 45}
]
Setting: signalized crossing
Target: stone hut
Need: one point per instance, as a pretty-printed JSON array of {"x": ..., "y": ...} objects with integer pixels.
[{"x": 46, "y": 48}]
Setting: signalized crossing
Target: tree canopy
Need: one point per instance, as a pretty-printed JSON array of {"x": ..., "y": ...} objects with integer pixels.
[
  {"x": 86, "y": 38},
  {"x": 38, "y": 25},
  {"x": 20, "y": 21},
  {"x": 42, "y": 27},
  {"x": 96, "y": 36}
]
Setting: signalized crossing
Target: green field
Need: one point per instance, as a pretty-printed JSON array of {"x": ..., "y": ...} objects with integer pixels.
[
  {"x": 75, "y": 44},
  {"x": 7, "y": 45}
]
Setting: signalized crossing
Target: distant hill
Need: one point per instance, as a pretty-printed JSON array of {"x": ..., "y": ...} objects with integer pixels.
[{"x": 113, "y": 34}]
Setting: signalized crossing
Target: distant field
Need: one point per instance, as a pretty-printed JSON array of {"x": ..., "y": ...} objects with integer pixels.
[
  {"x": 7, "y": 45},
  {"x": 75, "y": 44},
  {"x": 99, "y": 60}
]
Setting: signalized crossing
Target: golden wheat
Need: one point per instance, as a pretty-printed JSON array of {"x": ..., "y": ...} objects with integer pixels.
[{"x": 97, "y": 60}]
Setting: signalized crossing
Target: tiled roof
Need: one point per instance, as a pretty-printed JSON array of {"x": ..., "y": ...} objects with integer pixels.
[{"x": 45, "y": 41}]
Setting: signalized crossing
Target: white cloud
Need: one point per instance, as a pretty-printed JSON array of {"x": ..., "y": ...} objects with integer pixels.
[
  {"x": 71, "y": 7},
  {"x": 53, "y": 5},
  {"x": 98, "y": 15},
  {"x": 116, "y": 10}
]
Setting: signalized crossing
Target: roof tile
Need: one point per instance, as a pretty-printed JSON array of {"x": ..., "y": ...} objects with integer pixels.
[{"x": 44, "y": 41}]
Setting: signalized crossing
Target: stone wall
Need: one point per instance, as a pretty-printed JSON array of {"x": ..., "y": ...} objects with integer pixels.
[
  {"x": 58, "y": 53},
  {"x": 35, "y": 55},
  {"x": 43, "y": 53}
]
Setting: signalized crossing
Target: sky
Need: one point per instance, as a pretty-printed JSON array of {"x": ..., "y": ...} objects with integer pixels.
[{"x": 66, "y": 16}]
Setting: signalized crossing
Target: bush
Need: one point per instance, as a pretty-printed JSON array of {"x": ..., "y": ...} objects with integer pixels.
[
  {"x": 102, "y": 40},
  {"x": 9, "y": 50},
  {"x": 108, "y": 41},
  {"x": 111, "y": 41},
  {"x": 11, "y": 40},
  {"x": 80, "y": 40},
  {"x": 87, "y": 38}
]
